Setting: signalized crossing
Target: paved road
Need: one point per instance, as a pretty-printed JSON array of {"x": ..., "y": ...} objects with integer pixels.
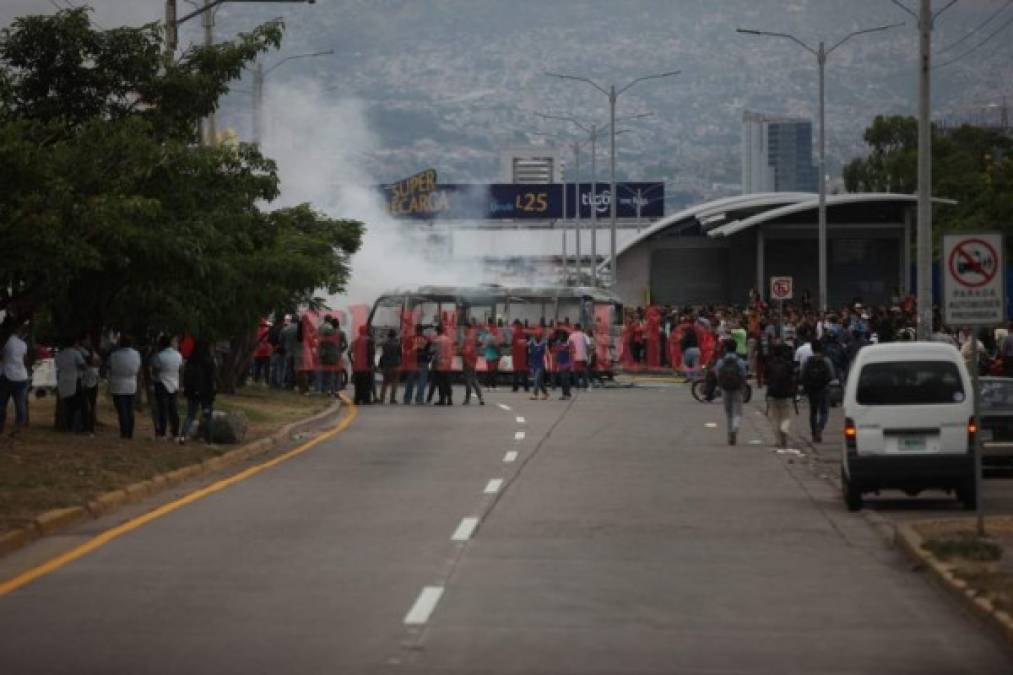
[
  {"x": 626, "y": 538},
  {"x": 893, "y": 504}
]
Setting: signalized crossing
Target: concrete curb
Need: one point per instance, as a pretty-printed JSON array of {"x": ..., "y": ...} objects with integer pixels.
[
  {"x": 55, "y": 520},
  {"x": 911, "y": 542}
]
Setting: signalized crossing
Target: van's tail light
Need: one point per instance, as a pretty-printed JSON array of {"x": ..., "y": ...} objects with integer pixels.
[
  {"x": 850, "y": 434},
  {"x": 972, "y": 433}
]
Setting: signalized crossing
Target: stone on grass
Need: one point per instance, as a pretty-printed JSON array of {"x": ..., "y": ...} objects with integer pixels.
[{"x": 228, "y": 427}]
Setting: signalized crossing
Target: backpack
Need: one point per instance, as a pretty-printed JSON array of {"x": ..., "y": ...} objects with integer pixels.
[
  {"x": 329, "y": 354},
  {"x": 816, "y": 376},
  {"x": 688, "y": 340},
  {"x": 729, "y": 375},
  {"x": 780, "y": 379}
]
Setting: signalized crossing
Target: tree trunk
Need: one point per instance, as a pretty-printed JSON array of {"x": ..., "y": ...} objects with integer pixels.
[{"x": 236, "y": 364}]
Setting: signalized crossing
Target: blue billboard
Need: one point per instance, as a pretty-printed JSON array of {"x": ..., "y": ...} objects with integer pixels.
[{"x": 513, "y": 201}]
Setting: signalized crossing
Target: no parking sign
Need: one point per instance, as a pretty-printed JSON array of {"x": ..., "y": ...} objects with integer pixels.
[{"x": 973, "y": 279}]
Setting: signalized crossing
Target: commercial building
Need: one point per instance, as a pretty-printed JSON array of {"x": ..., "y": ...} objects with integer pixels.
[
  {"x": 716, "y": 252},
  {"x": 777, "y": 154}
]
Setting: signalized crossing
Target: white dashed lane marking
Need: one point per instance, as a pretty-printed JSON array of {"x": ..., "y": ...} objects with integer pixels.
[
  {"x": 493, "y": 486},
  {"x": 520, "y": 420},
  {"x": 510, "y": 456},
  {"x": 504, "y": 406},
  {"x": 465, "y": 529},
  {"x": 711, "y": 425},
  {"x": 424, "y": 605},
  {"x": 519, "y": 435}
]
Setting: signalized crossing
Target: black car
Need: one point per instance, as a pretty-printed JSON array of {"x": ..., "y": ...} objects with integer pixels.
[{"x": 996, "y": 420}]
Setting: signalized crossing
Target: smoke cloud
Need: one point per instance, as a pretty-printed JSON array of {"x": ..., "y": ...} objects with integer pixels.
[{"x": 322, "y": 147}]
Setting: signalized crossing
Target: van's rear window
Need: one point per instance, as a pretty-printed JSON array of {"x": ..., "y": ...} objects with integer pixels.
[{"x": 909, "y": 383}]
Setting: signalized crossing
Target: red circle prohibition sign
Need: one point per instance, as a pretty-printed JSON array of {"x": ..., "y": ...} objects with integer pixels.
[{"x": 963, "y": 261}]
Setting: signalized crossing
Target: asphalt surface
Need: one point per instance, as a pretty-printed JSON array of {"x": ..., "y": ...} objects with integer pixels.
[{"x": 626, "y": 537}]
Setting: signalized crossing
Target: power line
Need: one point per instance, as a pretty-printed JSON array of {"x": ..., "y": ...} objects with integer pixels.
[
  {"x": 977, "y": 28},
  {"x": 977, "y": 46}
]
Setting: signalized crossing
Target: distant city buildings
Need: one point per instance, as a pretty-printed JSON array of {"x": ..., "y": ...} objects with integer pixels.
[{"x": 777, "y": 154}]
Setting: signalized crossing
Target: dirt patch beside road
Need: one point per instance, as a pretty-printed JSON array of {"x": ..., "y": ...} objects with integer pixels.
[{"x": 43, "y": 469}]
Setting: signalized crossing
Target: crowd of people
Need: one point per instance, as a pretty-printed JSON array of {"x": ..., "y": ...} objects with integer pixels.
[
  {"x": 172, "y": 367},
  {"x": 792, "y": 352},
  {"x": 559, "y": 356}
]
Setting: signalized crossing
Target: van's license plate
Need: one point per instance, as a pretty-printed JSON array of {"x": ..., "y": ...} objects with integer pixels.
[{"x": 912, "y": 442}]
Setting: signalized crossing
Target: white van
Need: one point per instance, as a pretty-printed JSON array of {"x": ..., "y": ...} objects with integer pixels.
[{"x": 909, "y": 422}]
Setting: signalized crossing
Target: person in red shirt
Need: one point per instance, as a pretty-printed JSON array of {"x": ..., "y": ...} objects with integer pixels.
[
  {"x": 443, "y": 357},
  {"x": 362, "y": 367},
  {"x": 469, "y": 361},
  {"x": 519, "y": 355},
  {"x": 262, "y": 353}
]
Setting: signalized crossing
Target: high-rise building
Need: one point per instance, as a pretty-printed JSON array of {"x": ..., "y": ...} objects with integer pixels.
[{"x": 777, "y": 154}]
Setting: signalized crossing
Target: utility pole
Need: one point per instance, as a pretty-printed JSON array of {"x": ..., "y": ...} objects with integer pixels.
[
  {"x": 171, "y": 29},
  {"x": 258, "y": 102},
  {"x": 208, "y": 20},
  {"x": 923, "y": 258},
  {"x": 594, "y": 205},
  {"x": 821, "y": 55},
  {"x": 924, "y": 231}
]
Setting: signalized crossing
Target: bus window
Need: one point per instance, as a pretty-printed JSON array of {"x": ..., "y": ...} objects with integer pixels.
[
  {"x": 568, "y": 309},
  {"x": 428, "y": 313},
  {"x": 530, "y": 313},
  {"x": 387, "y": 314},
  {"x": 480, "y": 313}
]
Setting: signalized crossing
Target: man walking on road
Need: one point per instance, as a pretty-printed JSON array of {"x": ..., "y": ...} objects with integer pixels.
[
  {"x": 579, "y": 348},
  {"x": 780, "y": 391},
  {"x": 731, "y": 377},
  {"x": 816, "y": 375}
]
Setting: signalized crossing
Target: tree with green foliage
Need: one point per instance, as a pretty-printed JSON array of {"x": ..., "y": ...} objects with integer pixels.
[
  {"x": 971, "y": 165},
  {"x": 113, "y": 216}
]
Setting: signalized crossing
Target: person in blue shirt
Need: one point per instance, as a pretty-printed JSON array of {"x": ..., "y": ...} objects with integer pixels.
[
  {"x": 730, "y": 371},
  {"x": 536, "y": 361}
]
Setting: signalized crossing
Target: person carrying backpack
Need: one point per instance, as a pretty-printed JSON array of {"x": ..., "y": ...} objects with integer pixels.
[
  {"x": 730, "y": 372},
  {"x": 816, "y": 375},
  {"x": 781, "y": 389}
]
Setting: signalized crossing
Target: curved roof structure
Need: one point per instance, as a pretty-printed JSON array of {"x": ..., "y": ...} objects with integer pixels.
[
  {"x": 736, "y": 226},
  {"x": 730, "y": 215}
]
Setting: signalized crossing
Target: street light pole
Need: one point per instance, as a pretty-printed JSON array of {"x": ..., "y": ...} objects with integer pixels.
[
  {"x": 576, "y": 215},
  {"x": 258, "y": 89},
  {"x": 594, "y": 205},
  {"x": 613, "y": 95},
  {"x": 821, "y": 55}
]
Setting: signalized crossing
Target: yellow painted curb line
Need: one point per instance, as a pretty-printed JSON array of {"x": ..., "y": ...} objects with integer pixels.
[
  {"x": 52, "y": 521},
  {"x": 112, "y": 533},
  {"x": 911, "y": 541}
]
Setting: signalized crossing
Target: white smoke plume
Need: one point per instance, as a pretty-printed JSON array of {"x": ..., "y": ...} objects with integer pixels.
[{"x": 322, "y": 147}]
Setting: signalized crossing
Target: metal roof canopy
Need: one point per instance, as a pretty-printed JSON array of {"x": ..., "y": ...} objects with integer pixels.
[{"x": 737, "y": 226}]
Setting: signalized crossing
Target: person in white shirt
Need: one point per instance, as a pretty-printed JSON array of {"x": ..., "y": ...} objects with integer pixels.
[
  {"x": 578, "y": 345},
  {"x": 124, "y": 364},
  {"x": 70, "y": 366},
  {"x": 165, "y": 367},
  {"x": 13, "y": 377},
  {"x": 803, "y": 354}
]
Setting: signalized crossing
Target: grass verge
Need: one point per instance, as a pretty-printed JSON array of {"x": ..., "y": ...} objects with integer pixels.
[
  {"x": 979, "y": 562},
  {"x": 42, "y": 469}
]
